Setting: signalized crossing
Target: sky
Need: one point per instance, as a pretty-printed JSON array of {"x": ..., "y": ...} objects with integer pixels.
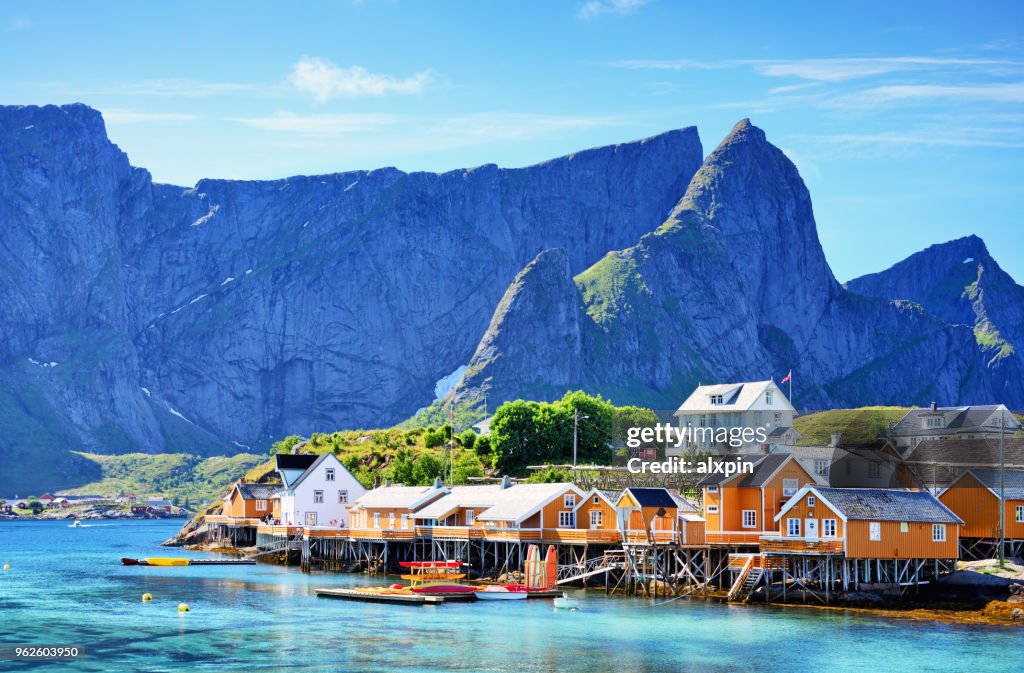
[{"x": 905, "y": 119}]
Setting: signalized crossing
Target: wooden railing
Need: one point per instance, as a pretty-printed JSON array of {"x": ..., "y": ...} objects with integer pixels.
[
  {"x": 269, "y": 529},
  {"x": 232, "y": 520},
  {"x": 581, "y": 535},
  {"x": 801, "y": 545},
  {"x": 457, "y": 532},
  {"x": 512, "y": 534},
  {"x": 326, "y": 532},
  {"x": 381, "y": 534},
  {"x": 733, "y": 537}
]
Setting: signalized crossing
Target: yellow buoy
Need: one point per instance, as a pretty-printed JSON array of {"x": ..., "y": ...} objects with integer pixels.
[
  {"x": 183, "y": 607},
  {"x": 147, "y": 597},
  {"x": 7, "y": 566}
]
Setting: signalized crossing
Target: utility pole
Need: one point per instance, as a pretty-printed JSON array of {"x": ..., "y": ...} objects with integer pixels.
[
  {"x": 575, "y": 434},
  {"x": 1002, "y": 490}
]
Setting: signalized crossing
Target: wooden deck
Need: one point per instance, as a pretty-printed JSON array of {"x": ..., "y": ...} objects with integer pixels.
[
  {"x": 413, "y": 598},
  {"x": 798, "y": 545}
]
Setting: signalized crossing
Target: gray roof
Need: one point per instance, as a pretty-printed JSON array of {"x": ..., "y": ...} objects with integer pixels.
[
  {"x": 1013, "y": 482},
  {"x": 258, "y": 491},
  {"x": 764, "y": 470},
  {"x": 967, "y": 452},
  {"x": 957, "y": 419},
  {"x": 879, "y": 504}
]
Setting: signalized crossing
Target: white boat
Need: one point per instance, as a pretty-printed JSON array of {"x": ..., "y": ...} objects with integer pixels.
[
  {"x": 564, "y": 602},
  {"x": 496, "y": 592},
  {"x": 76, "y": 524}
]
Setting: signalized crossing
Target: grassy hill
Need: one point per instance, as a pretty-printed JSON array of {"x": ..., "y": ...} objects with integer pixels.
[
  {"x": 857, "y": 426},
  {"x": 181, "y": 476}
]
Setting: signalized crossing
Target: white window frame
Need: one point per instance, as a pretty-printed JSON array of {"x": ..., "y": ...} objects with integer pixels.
[
  {"x": 566, "y": 518},
  {"x": 875, "y": 531},
  {"x": 376, "y": 519},
  {"x": 811, "y": 501},
  {"x": 821, "y": 467},
  {"x": 753, "y": 518},
  {"x": 829, "y": 528},
  {"x": 1020, "y": 514},
  {"x": 391, "y": 520},
  {"x": 769, "y": 397},
  {"x": 405, "y": 521},
  {"x": 261, "y": 505},
  {"x": 793, "y": 527},
  {"x": 712, "y": 489},
  {"x": 904, "y": 527},
  {"x": 596, "y": 518},
  {"x": 787, "y": 490},
  {"x": 712, "y": 509},
  {"x": 874, "y": 470},
  {"x": 329, "y": 474},
  {"x": 938, "y": 532},
  {"x": 318, "y": 497},
  {"x": 597, "y": 499},
  {"x": 569, "y": 500},
  {"x": 343, "y": 497},
  {"x": 470, "y": 518}
]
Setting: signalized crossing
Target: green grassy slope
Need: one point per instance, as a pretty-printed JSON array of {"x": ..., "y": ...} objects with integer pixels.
[{"x": 857, "y": 426}]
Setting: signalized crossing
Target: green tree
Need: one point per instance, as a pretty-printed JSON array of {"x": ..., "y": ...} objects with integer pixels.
[
  {"x": 36, "y": 506},
  {"x": 482, "y": 445},
  {"x": 467, "y": 438},
  {"x": 402, "y": 469},
  {"x": 428, "y": 467},
  {"x": 285, "y": 445},
  {"x": 595, "y": 428},
  {"x": 467, "y": 465}
]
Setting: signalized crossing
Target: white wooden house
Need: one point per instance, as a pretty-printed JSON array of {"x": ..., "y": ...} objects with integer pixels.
[{"x": 320, "y": 495}]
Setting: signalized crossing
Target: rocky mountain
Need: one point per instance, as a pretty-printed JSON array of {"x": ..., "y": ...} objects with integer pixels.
[
  {"x": 961, "y": 283},
  {"x": 212, "y": 319},
  {"x": 734, "y": 286}
]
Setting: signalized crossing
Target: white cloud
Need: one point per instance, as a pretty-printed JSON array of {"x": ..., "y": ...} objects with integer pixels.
[
  {"x": 319, "y": 124},
  {"x": 595, "y": 8},
  {"x": 843, "y": 69},
  {"x": 185, "y": 87},
  {"x": 325, "y": 80},
  {"x": 1011, "y": 92},
  {"x": 120, "y": 116}
]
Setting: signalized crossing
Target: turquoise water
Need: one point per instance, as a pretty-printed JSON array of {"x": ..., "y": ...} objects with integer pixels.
[{"x": 66, "y": 586}]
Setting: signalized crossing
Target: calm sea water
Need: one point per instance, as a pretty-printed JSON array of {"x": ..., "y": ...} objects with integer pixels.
[{"x": 66, "y": 585}]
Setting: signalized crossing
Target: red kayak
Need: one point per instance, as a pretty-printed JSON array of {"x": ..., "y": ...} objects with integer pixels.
[
  {"x": 445, "y": 589},
  {"x": 131, "y": 562}
]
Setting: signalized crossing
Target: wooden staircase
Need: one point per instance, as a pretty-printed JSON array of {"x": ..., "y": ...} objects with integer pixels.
[{"x": 748, "y": 579}]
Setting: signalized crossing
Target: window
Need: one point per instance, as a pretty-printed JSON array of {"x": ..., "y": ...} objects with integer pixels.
[
  {"x": 569, "y": 500},
  {"x": 597, "y": 500},
  {"x": 716, "y": 399},
  {"x": 566, "y": 519},
  {"x": 769, "y": 397},
  {"x": 391, "y": 520},
  {"x": 874, "y": 470},
  {"x": 811, "y": 501},
  {"x": 1020, "y": 513},
  {"x": 261, "y": 505},
  {"x": 874, "y": 531},
  {"x": 938, "y": 532},
  {"x": 712, "y": 509},
  {"x": 469, "y": 517},
  {"x": 596, "y": 518},
  {"x": 750, "y": 518},
  {"x": 405, "y": 521},
  {"x": 712, "y": 489},
  {"x": 821, "y": 466},
  {"x": 904, "y": 527},
  {"x": 713, "y": 420},
  {"x": 376, "y": 519},
  {"x": 778, "y": 418},
  {"x": 342, "y": 497},
  {"x": 793, "y": 527},
  {"x": 318, "y": 497},
  {"x": 330, "y": 474},
  {"x": 828, "y": 527},
  {"x": 789, "y": 487}
]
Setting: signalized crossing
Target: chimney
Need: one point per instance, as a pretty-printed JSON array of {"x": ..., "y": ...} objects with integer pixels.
[
  {"x": 935, "y": 406},
  {"x": 506, "y": 482},
  {"x": 836, "y": 437},
  {"x": 387, "y": 481},
  {"x": 376, "y": 481},
  {"x": 438, "y": 483}
]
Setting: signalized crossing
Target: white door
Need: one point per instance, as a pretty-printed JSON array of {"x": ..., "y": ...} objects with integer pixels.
[{"x": 810, "y": 528}]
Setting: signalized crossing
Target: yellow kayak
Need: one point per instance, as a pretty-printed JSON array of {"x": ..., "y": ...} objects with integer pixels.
[{"x": 167, "y": 561}]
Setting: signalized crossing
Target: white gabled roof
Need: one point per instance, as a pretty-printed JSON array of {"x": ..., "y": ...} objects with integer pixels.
[
  {"x": 735, "y": 397},
  {"x": 397, "y": 497},
  {"x": 522, "y": 501},
  {"x": 476, "y": 496}
]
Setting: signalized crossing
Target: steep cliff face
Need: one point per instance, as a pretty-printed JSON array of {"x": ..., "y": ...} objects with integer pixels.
[
  {"x": 961, "y": 283},
  {"x": 235, "y": 312},
  {"x": 734, "y": 286}
]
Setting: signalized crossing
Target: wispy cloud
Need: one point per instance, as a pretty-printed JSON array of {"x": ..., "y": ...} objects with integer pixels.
[
  {"x": 1008, "y": 92},
  {"x": 594, "y": 8},
  {"x": 121, "y": 116},
  {"x": 325, "y": 80},
  {"x": 185, "y": 87},
  {"x": 319, "y": 124}
]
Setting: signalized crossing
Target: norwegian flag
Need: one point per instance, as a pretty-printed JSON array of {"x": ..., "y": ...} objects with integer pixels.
[{"x": 789, "y": 377}]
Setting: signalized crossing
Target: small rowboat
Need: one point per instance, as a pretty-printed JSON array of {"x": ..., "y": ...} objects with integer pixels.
[
  {"x": 443, "y": 588},
  {"x": 162, "y": 561},
  {"x": 497, "y": 592},
  {"x": 564, "y": 602}
]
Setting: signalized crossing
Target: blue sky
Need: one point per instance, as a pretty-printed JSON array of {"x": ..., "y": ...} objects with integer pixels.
[{"x": 905, "y": 119}]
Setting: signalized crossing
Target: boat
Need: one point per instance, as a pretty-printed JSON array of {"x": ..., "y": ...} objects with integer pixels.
[
  {"x": 185, "y": 562},
  {"x": 162, "y": 561},
  {"x": 565, "y": 602},
  {"x": 77, "y": 524},
  {"x": 498, "y": 592}
]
